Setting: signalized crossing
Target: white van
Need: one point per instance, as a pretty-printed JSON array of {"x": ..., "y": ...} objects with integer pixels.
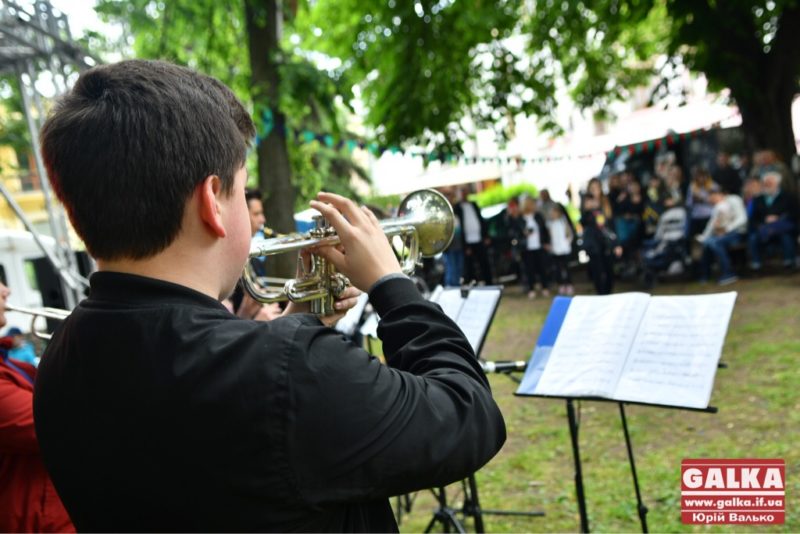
[{"x": 18, "y": 251}]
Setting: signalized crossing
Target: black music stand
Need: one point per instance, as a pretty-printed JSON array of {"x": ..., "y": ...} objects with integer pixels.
[
  {"x": 541, "y": 362},
  {"x": 475, "y": 324},
  {"x": 574, "y": 427}
]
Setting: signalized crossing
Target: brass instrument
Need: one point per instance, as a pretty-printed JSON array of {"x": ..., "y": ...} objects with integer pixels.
[
  {"x": 56, "y": 314},
  {"x": 423, "y": 228}
]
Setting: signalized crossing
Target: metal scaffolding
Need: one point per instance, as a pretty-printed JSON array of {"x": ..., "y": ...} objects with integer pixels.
[{"x": 36, "y": 46}]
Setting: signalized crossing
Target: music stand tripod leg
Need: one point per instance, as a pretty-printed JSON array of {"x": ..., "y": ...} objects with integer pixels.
[
  {"x": 444, "y": 514},
  {"x": 576, "y": 455},
  {"x": 642, "y": 509}
]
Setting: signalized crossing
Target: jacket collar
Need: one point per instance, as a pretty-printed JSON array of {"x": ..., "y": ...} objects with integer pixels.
[{"x": 138, "y": 290}]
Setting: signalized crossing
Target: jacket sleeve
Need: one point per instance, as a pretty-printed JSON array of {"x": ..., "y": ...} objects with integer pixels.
[
  {"x": 17, "y": 434},
  {"x": 360, "y": 430}
]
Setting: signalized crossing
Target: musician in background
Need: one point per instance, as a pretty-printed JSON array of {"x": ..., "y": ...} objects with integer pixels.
[
  {"x": 242, "y": 304},
  {"x": 28, "y": 501},
  {"x": 158, "y": 410}
]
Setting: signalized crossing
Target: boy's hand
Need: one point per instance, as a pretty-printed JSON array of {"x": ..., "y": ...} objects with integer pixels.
[{"x": 367, "y": 255}]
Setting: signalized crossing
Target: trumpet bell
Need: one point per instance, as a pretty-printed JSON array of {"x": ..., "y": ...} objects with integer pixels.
[{"x": 432, "y": 215}]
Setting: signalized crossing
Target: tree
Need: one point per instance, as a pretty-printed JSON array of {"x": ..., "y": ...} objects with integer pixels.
[
  {"x": 603, "y": 48},
  {"x": 430, "y": 72},
  {"x": 428, "y": 65},
  {"x": 285, "y": 91}
]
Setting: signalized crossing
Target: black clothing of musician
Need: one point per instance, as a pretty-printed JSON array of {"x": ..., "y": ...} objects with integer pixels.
[{"x": 158, "y": 410}]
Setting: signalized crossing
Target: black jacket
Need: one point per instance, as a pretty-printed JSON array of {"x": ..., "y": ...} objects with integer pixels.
[
  {"x": 157, "y": 410},
  {"x": 544, "y": 232},
  {"x": 782, "y": 206}
]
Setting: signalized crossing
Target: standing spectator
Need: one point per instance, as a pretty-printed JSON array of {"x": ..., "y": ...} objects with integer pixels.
[
  {"x": 726, "y": 176},
  {"x": 698, "y": 200},
  {"x": 628, "y": 211},
  {"x": 726, "y": 228},
  {"x": 515, "y": 234},
  {"x": 772, "y": 220},
  {"x": 28, "y": 500},
  {"x": 561, "y": 235},
  {"x": 595, "y": 190},
  {"x": 454, "y": 256},
  {"x": 537, "y": 241},
  {"x": 616, "y": 185},
  {"x": 599, "y": 241},
  {"x": 475, "y": 238}
]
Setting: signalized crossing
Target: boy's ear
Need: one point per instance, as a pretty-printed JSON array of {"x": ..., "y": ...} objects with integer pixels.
[{"x": 208, "y": 195}]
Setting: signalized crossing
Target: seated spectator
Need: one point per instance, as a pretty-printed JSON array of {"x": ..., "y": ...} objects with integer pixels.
[
  {"x": 655, "y": 197},
  {"x": 674, "y": 187},
  {"x": 772, "y": 221},
  {"x": 698, "y": 200},
  {"x": 21, "y": 350},
  {"x": 725, "y": 228},
  {"x": 750, "y": 190},
  {"x": 726, "y": 176}
]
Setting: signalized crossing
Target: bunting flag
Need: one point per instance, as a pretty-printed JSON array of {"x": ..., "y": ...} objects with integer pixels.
[
  {"x": 267, "y": 125},
  {"x": 656, "y": 144}
]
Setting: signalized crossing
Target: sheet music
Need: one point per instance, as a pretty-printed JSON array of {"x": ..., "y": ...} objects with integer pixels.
[
  {"x": 476, "y": 314},
  {"x": 451, "y": 302},
  {"x": 592, "y": 344},
  {"x": 348, "y": 323},
  {"x": 674, "y": 357}
]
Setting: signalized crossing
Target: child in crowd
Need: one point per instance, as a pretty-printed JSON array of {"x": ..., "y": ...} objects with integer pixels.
[
  {"x": 534, "y": 256},
  {"x": 561, "y": 248}
]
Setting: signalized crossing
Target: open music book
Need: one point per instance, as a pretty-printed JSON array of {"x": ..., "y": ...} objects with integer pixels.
[{"x": 631, "y": 347}]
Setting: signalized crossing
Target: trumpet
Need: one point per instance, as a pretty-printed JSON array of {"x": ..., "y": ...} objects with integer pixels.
[
  {"x": 56, "y": 314},
  {"x": 424, "y": 227}
]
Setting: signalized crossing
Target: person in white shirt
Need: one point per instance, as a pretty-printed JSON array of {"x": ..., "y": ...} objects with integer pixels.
[
  {"x": 474, "y": 238},
  {"x": 561, "y": 236},
  {"x": 726, "y": 227},
  {"x": 537, "y": 243}
]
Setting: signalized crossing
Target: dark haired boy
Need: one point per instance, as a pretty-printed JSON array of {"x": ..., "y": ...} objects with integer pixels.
[{"x": 157, "y": 410}]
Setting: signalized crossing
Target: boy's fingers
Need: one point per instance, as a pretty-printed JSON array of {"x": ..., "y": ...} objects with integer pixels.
[
  {"x": 345, "y": 205},
  {"x": 371, "y": 216},
  {"x": 332, "y": 255},
  {"x": 333, "y": 216}
]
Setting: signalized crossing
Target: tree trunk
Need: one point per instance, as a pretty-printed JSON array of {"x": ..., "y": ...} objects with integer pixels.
[
  {"x": 765, "y": 102},
  {"x": 274, "y": 170}
]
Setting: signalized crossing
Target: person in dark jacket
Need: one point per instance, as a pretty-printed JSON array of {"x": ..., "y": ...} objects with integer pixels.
[
  {"x": 773, "y": 219},
  {"x": 28, "y": 500},
  {"x": 158, "y": 410},
  {"x": 474, "y": 239},
  {"x": 535, "y": 249},
  {"x": 599, "y": 242}
]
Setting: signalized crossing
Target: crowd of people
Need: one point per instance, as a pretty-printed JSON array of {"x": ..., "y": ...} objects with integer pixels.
[{"x": 634, "y": 225}]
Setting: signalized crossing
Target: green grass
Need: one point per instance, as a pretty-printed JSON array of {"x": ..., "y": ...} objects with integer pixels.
[{"x": 759, "y": 417}]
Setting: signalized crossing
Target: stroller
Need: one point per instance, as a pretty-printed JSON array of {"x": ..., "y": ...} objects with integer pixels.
[{"x": 667, "y": 252}]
